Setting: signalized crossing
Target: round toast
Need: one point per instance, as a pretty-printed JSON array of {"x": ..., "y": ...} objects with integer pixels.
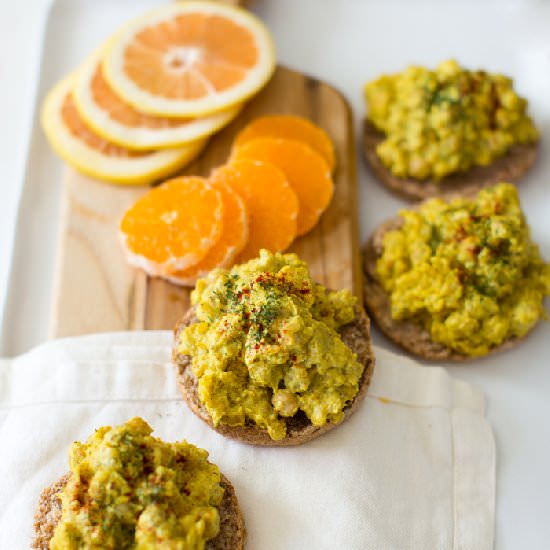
[
  {"x": 232, "y": 533},
  {"x": 356, "y": 335},
  {"x": 510, "y": 167},
  {"x": 407, "y": 334}
]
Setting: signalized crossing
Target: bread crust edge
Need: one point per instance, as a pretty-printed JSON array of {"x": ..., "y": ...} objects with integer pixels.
[
  {"x": 232, "y": 533},
  {"x": 508, "y": 168}
]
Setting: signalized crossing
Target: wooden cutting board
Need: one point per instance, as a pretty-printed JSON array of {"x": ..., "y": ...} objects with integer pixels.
[{"x": 97, "y": 291}]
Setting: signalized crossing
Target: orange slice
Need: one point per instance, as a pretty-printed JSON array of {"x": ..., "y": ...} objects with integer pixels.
[
  {"x": 117, "y": 121},
  {"x": 290, "y": 127},
  {"x": 306, "y": 171},
  {"x": 232, "y": 241},
  {"x": 89, "y": 153},
  {"x": 173, "y": 226},
  {"x": 189, "y": 59},
  {"x": 272, "y": 204}
]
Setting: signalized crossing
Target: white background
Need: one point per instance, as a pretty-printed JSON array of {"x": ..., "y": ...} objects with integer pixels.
[{"x": 344, "y": 42}]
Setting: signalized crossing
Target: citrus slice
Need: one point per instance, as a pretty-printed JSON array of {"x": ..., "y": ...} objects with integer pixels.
[
  {"x": 306, "y": 171},
  {"x": 271, "y": 202},
  {"x": 189, "y": 59},
  {"x": 290, "y": 127},
  {"x": 173, "y": 226},
  {"x": 117, "y": 121},
  {"x": 91, "y": 154},
  {"x": 232, "y": 241}
]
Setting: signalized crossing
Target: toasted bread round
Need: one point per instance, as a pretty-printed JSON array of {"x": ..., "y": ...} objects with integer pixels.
[
  {"x": 232, "y": 533},
  {"x": 355, "y": 335},
  {"x": 408, "y": 334},
  {"x": 510, "y": 167}
]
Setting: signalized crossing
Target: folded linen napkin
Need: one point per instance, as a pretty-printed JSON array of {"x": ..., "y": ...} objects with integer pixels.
[{"x": 413, "y": 468}]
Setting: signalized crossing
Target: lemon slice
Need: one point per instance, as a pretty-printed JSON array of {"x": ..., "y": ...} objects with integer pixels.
[
  {"x": 89, "y": 153},
  {"x": 117, "y": 121},
  {"x": 189, "y": 59}
]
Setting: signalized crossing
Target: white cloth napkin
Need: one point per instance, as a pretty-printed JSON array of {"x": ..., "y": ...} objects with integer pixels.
[{"x": 413, "y": 468}]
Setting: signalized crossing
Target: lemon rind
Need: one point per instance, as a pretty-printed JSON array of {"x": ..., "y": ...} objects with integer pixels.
[
  {"x": 141, "y": 138},
  {"x": 119, "y": 170}
]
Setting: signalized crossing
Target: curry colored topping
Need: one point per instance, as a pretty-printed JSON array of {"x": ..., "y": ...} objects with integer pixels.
[
  {"x": 128, "y": 490},
  {"x": 466, "y": 270},
  {"x": 266, "y": 345},
  {"x": 446, "y": 121}
]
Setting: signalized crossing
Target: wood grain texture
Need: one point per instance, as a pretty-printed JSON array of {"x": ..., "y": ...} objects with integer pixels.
[{"x": 97, "y": 291}]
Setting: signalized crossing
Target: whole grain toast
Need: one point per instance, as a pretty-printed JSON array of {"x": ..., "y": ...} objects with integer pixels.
[
  {"x": 510, "y": 167},
  {"x": 406, "y": 333},
  {"x": 232, "y": 533},
  {"x": 355, "y": 335}
]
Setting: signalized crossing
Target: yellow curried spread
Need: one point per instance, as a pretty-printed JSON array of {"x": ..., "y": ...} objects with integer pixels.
[
  {"x": 266, "y": 345},
  {"x": 446, "y": 121},
  {"x": 129, "y": 490},
  {"x": 466, "y": 270}
]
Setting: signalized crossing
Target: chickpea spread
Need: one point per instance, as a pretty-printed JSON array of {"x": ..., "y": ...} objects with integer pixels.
[
  {"x": 129, "y": 490},
  {"x": 445, "y": 121},
  {"x": 267, "y": 345},
  {"x": 466, "y": 270}
]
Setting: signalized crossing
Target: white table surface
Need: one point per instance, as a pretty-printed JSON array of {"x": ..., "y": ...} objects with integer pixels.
[{"x": 330, "y": 40}]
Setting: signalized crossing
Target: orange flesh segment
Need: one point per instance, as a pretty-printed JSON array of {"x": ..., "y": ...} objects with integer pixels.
[
  {"x": 272, "y": 204},
  {"x": 233, "y": 239},
  {"x": 290, "y": 127},
  {"x": 175, "y": 224},
  {"x": 77, "y": 127},
  {"x": 123, "y": 112},
  {"x": 306, "y": 171},
  {"x": 190, "y": 56}
]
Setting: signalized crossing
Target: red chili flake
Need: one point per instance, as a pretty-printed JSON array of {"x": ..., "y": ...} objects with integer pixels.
[
  {"x": 257, "y": 346},
  {"x": 293, "y": 358},
  {"x": 304, "y": 290},
  {"x": 460, "y": 233},
  {"x": 243, "y": 292}
]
